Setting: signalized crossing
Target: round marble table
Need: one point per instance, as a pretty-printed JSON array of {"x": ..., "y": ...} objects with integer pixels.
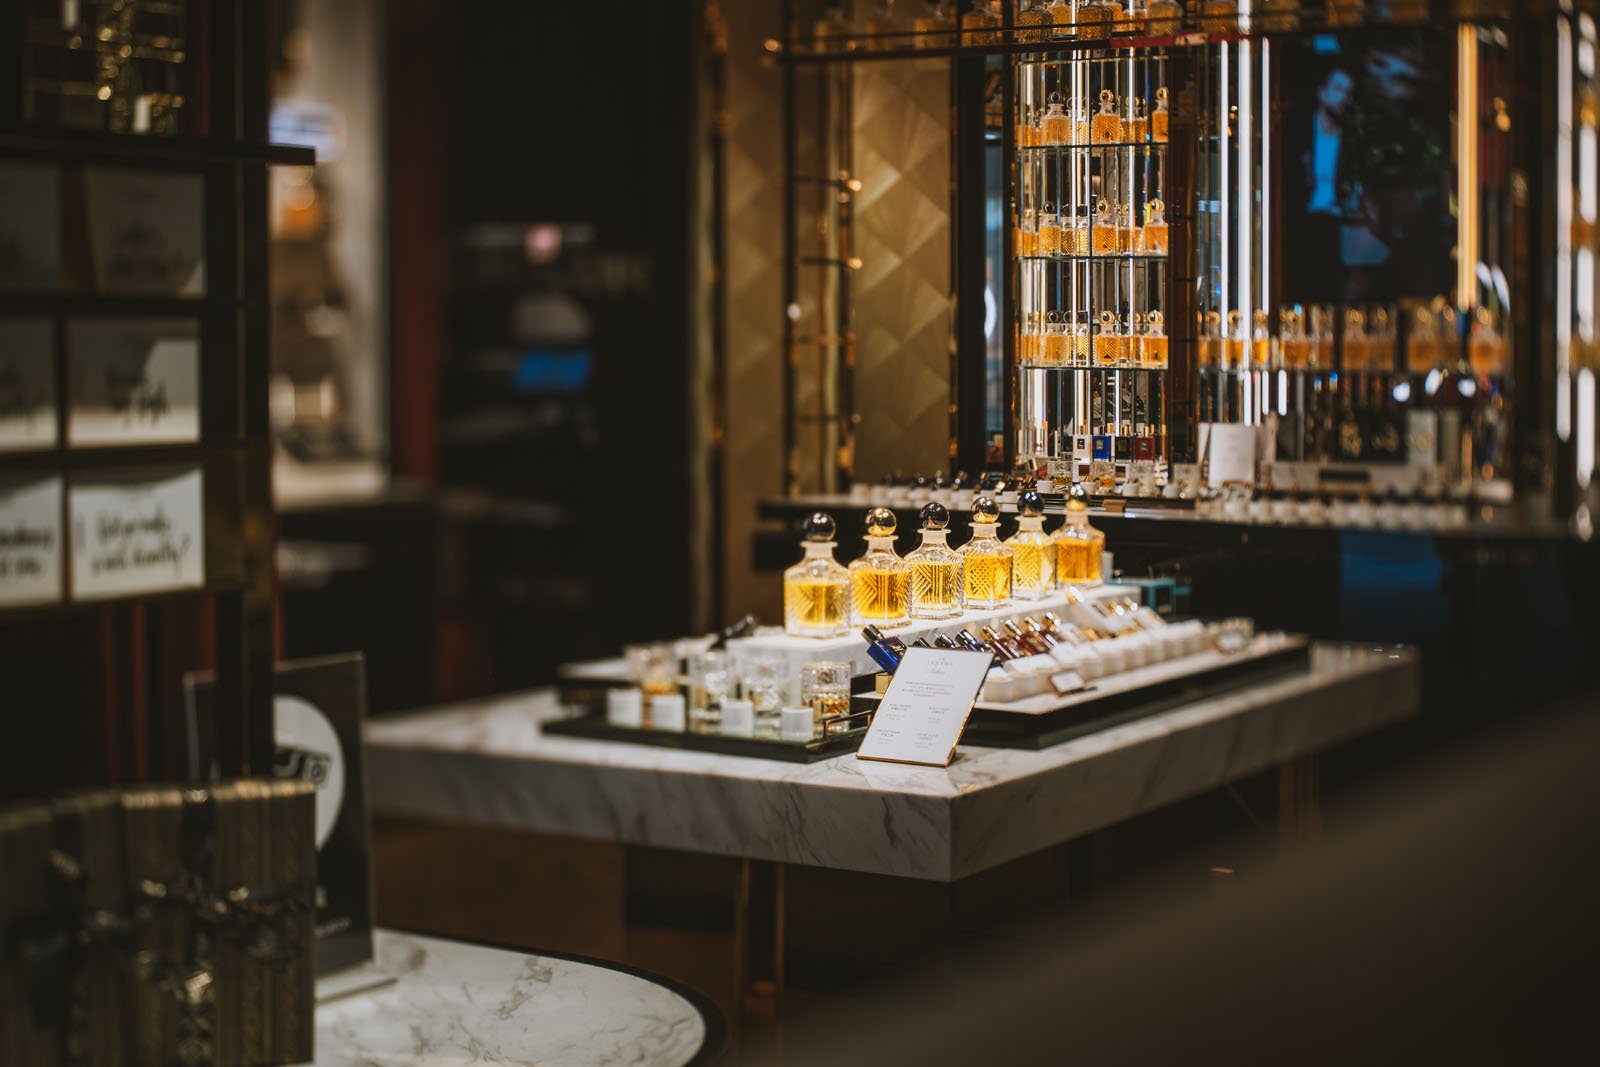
[{"x": 454, "y": 1003}]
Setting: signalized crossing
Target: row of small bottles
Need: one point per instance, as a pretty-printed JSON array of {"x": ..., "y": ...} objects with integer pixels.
[
  {"x": 821, "y": 598},
  {"x": 1069, "y": 123},
  {"x": 1056, "y": 339},
  {"x": 1110, "y": 231},
  {"x": 1370, "y": 340},
  {"x": 889, "y": 25}
]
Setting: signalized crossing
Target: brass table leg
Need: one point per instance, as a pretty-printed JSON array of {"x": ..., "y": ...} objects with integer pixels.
[
  {"x": 758, "y": 945},
  {"x": 1299, "y": 805}
]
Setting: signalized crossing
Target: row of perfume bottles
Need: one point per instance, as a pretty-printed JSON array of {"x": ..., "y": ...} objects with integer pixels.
[
  {"x": 1369, "y": 342},
  {"x": 888, "y": 25},
  {"x": 1110, "y": 231},
  {"x": 710, "y": 697},
  {"x": 821, "y": 598},
  {"x": 1064, "y": 122},
  {"x": 1049, "y": 339},
  {"x": 1013, "y": 639}
]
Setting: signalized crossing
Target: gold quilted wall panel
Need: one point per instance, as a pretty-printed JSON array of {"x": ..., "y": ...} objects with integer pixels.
[{"x": 902, "y": 299}]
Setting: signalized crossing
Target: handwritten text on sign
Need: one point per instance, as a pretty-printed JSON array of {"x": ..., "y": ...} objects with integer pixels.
[{"x": 137, "y": 534}]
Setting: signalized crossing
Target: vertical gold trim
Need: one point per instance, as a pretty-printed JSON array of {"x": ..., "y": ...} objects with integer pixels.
[{"x": 1468, "y": 212}]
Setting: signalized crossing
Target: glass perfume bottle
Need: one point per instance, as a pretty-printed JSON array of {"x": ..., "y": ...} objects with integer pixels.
[
  {"x": 1049, "y": 232},
  {"x": 933, "y": 26},
  {"x": 1164, "y": 16},
  {"x": 1160, "y": 117},
  {"x": 1061, "y": 19},
  {"x": 1079, "y": 547},
  {"x": 1029, "y": 345},
  {"x": 1276, "y": 16},
  {"x": 1110, "y": 344},
  {"x": 1106, "y": 128},
  {"x": 1210, "y": 347},
  {"x": 1137, "y": 130},
  {"x": 880, "y": 581},
  {"x": 1031, "y": 19},
  {"x": 816, "y": 588},
  {"x": 1486, "y": 345},
  {"x": 980, "y": 23},
  {"x": 1155, "y": 232},
  {"x": 1383, "y": 336},
  {"x": 1094, "y": 20},
  {"x": 1294, "y": 344},
  {"x": 1056, "y": 125},
  {"x": 1028, "y": 640},
  {"x": 935, "y": 568},
  {"x": 1055, "y": 339},
  {"x": 1033, "y": 572},
  {"x": 1103, "y": 230},
  {"x": 1321, "y": 334},
  {"x": 1079, "y": 110},
  {"x": 1154, "y": 349},
  {"x": 1422, "y": 342},
  {"x": 1357, "y": 345},
  {"x": 1002, "y": 645},
  {"x": 985, "y": 560},
  {"x": 1263, "y": 351},
  {"x": 1219, "y": 16},
  {"x": 1346, "y": 12},
  {"x": 1127, "y": 230},
  {"x": 1074, "y": 234},
  {"x": 1234, "y": 344},
  {"x": 1027, "y": 235},
  {"x": 1080, "y": 345},
  {"x": 1132, "y": 19}
]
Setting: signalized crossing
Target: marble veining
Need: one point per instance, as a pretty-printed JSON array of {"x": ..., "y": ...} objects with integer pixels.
[
  {"x": 456, "y": 1004},
  {"x": 490, "y": 762}
]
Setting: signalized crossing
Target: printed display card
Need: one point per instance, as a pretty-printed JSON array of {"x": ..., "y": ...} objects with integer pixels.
[
  {"x": 27, "y": 385},
  {"x": 30, "y": 541},
  {"x": 134, "y": 381},
  {"x": 137, "y": 532},
  {"x": 1231, "y": 450},
  {"x": 147, "y": 232},
  {"x": 921, "y": 717}
]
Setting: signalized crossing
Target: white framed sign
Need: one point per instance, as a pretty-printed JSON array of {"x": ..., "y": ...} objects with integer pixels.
[
  {"x": 30, "y": 541},
  {"x": 137, "y": 532},
  {"x": 146, "y": 232},
  {"x": 27, "y": 385},
  {"x": 921, "y": 716},
  {"x": 133, "y": 381},
  {"x": 30, "y": 227}
]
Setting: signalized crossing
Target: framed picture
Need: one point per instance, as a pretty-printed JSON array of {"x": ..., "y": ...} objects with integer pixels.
[
  {"x": 133, "y": 381},
  {"x": 146, "y": 232},
  {"x": 27, "y": 385},
  {"x": 30, "y": 227},
  {"x": 137, "y": 531},
  {"x": 30, "y": 540}
]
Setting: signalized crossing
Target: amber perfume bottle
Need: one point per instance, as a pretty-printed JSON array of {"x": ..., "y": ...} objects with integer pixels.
[
  {"x": 980, "y": 24},
  {"x": 880, "y": 581},
  {"x": 1486, "y": 345},
  {"x": 1110, "y": 344},
  {"x": 1137, "y": 130},
  {"x": 1294, "y": 344},
  {"x": 1033, "y": 571},
  {"x": 1103, "y": 230},
  {"x": 1079, "y": 547},
  {"x": 1049, "y": 232},
  {"x": 985, "y": 561},
  {"x": 1032, "y": 18},
  {"x": 1061, "y": 19},
  {"x": 1094, "y": 20},
  {"x": 1160, "y": 117},
  {"x": 1153, "y": 345},
  {"x": 1263, "y": 351},
  {"x": 1165, "y": 16},
  {"x": 1154, "y": 236},
  {"x": 816, "y": 588},
  {"x": 1055, "y": 126},
  {"x": 935, "y": 568},
  {"x": 1358, "y": 347},
  {"x": 1106, "y": 127}
]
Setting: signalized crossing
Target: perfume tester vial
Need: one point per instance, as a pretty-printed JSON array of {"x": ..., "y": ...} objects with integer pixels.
[
  {"x": 1079, "y": 548},
  {"x": 880, "y": 581},
  {"x": 985, "y": 560},
  {"x": 816, "y": 588},
  {"x": 935, "y": 569},
  {"x": 1033, "y": 571}
]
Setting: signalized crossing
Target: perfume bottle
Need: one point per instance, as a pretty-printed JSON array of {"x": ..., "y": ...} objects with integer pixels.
[
  {"x": 1049, "y": 232},
  {"x": 933, "y": 26},
  {"x": 1210, "y": 346},
  {"x": 1061, "y": 19},
  {"x": 1153, "y": 350},
  {"x": 1276, "y": 16},
  {"x": 980, "y": 23},
  {"x": 1030, "y": 642},
  {"x": 1103, "y": 230},
  {"x": 1346, "y": 12},
  {"x": 1106, "y": 128},
  {"x": 1110, "y": 344},
  {"x": 1094, "y": 20},
  {"x": 1137, "y": 130},
  {"x": 1031, "y": 19},
  {"x": 1003, "y": 647},
  {"x": 985, "y": 561},
  {"x": 1165, "y": 16},
  {"x": 886, "y": 652},
  {"x": 1079, "y": 547},
  {"x": 965, "y": 639},
  {"x": 1382, "y": 333},
  {"x": 1154, "y": 236},
  {"x": 935, "y": 569},
  {"x": 880, "y": 581},
  {"x": 1262, "y": 349},
  {"x": 1079, "y": 110},
  {"x": 1294, "y": 344},
  {"x": 1033, "y": 572},
  {"x": 1219, "y": 16},
  {"x": 1321, "y": 333},
  {"x": 815, "y": 589},
  {"x": 945, "y": 641},
  {"x": 1486, "y": 345},
  {"x": 1026, "y": 240},
  {"x": 1080, "y": 351},
  {"x": 1055, "y": 126},
  {"x": 1159, "y": 117},
  {"x": 1233, "y": 345},
  {"x": 1127, "y": 230},
  {"x": 1422, "y": 342},
  {"x": 1028, "y": 343},
  {"x": 1055, "y": 339},
  {"x": 1357, "y": 345}
]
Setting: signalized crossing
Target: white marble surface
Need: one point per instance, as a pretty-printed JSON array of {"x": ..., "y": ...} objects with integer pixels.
[
  {"x": 456, "y": 1004},
  {"x": 489, "y": 762}
]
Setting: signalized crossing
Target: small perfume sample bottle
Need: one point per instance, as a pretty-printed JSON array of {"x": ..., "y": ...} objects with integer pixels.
[
  {"x": 886, "y": 652},
  {"x": 1106, "y": 128},
  {"x": 1154, "y": 236},
  {"x": 945, "y": 641},
  {"x": 985, "y": 561},
  {"x": 1153, "y": 350},
  {"x": 816, "y": 588},
  {"x": 935, "y": 569},
  {"x": 880, "y": 581},
  {"x": 1033, "y": 571},
  {"x": 1030, "y": 642},
  {"x": 1103, "y": 230},
  {"x": 1159, "y": 118},
  {"x": 1486, "y": 345},
  {"x": 1055, "y": 127},
  {"x": 1003, "y": 647},
  {"x": 965, "y": 639},
  {"x": 1079, "y": 547}
]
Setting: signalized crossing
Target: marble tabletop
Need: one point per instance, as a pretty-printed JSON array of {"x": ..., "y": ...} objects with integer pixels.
[
  {"x": 454, "y": 1003},
  {"x": 489, "y": 762}
]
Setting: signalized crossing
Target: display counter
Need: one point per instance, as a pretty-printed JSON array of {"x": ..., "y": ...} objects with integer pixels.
[{"x": 490, "y": 762}]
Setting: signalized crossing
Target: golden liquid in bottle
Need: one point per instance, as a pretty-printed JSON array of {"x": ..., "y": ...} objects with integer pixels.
[
  {"x": 1165, "y": 16},
  {"x": 1105, "y": 129},
  {"x": 1210, "y": 350},
  {"x": 1055, "y": 347},
  {"x": 1296, "y": 352},
  {"x": 1028, "y": 347},
  {"x": 1233, "y": 352},
  {"x": 1220, "y": 16},
  {"x": 988, "y": 579},
  {"x": 1422, "y": 354},
  {"x": 1155, "y": 238},
  {"x": 814, "y": 605},
  {"x": 1081, "y": 344},
  {"x": 1030, "y": 24},
  {"x": 1077, "y": 561},
  {"x": 1103, "y": 237},
  {"x": 1154, "y": 350},
  {"x": 1049, "y": 237},
  {"x": 1138, "y": 129},
  {"x": 880, "y": 595},
  {"x": 1487, "y": 355},
  {"x": 935, "y": 589},
  {"x": 1127, "y": 237},
  {"x": 1345, "y": 12},
  {"x": 1261, "y": 352},
  {"x": 1057, "y": 129},
  {"x": 825, "y": 706},
  {"x": 1323, "y": 350},
  {"x": 928, "y": 30},
  {"x": 1357, "y": 353},
  {"x": 1158, "y": 126},
  {"x": 1060, "y": 20},
  {"x": 1029, "y": 566},
  {"x": 980, "y": 25},
  {"x": 1110, "y": 349},
  {"x": 1094, "y": 22}
]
